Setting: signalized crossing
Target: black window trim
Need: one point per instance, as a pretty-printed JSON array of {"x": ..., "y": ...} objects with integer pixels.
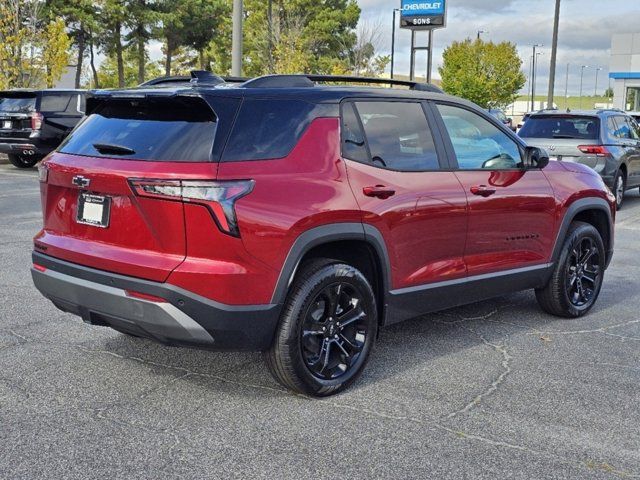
[
  {"x": 448, "y": 144},
  {"x": 440, "y": 150}
]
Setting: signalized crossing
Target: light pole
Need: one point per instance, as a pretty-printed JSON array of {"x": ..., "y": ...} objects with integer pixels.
[
  {"x": 554, "y": 54},
  {"x": 236, "y": 39},
  {"x": 596, "y": 90},
  {"x": 533, "y": 76},
  {"x": 480, "y": 32},
  {"x": 393, "y": 40},
  {"x": 566, "y": 90},
  {"x": 582, "y": 67}
]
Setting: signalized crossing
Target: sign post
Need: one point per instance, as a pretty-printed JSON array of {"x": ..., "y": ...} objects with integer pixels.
[{"x": 422, "y": 15}]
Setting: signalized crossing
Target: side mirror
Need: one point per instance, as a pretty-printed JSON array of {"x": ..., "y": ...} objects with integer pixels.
[{"x": 535, "y": 158}]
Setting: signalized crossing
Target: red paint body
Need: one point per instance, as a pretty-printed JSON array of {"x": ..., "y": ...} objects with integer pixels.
[{"x": 435, "y": 229}]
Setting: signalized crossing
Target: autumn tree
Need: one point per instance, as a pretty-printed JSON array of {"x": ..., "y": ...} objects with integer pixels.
[
  {"x": 486, "y": 73},
  {"x": 55, "y": 51}
]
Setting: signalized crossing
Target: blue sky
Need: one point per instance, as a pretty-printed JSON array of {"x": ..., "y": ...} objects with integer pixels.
[{"x": 586, "y": 27}]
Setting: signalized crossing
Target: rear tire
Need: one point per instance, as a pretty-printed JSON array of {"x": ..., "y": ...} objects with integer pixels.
[
  {"x": 327, "y": 329},
  {"x": 619, "y": 187},
  {"x": 21, "y": 161},
  {"x": 577, "y": 277}
]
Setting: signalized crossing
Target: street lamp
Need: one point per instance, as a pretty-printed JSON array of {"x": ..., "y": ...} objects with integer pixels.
[
  {"x": 582, "y": 67},
  {"x": 554, "y": 54},
  {"x": 533, "y": 75},
  {"x": 393, "y": 40},
  {"x": 236, "y": 39},
  {"x": 598, "y": 69},
  {"x": 566, "y": 90},
  {"x": 480, "y": 32}
]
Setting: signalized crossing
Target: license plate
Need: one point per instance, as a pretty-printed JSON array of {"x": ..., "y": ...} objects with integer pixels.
[
  {"x": 554, "y": 158},
  {"x": 6, "y": 124},
  {"x": 93, "y": 210}
]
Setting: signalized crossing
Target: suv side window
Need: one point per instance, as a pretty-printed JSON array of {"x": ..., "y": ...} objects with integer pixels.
[
  {"x": 56, "y": 102},
  {"x": 353, "y": 142},
  {"x": 630, "y": 127},
  {"x": 479, "y": 144},
  {"x": 398, "y": 135}
]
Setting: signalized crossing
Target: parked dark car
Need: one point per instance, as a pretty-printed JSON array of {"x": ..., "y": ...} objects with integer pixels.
[
  {"x": 297, "y": 219},
  {"x": 500, "y": 115},
  {"x": 606, "y": 140},
  {"x": 34, "y": 122}
]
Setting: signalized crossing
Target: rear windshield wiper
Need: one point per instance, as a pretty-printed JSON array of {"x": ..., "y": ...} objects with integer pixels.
[
  {"x": 114, "y": 149},
  {"x": 565, "y": 136}
]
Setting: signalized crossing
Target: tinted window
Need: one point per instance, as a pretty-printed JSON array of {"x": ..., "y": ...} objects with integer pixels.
[
  {"x": 353, "y": 143},
  {"x": 161, "y": 130},
  {"x": 635, "y": 128},
  {"x": 267, "y": 129},
  {"x": 622, "y": 127},
  {"x": 398, "y": 135},
  {"x": 17, "y": 104},
  {"x": 478, "y": 144},
  {"x": 560, "y": 126},
  {"x": 56, "y": 103}
]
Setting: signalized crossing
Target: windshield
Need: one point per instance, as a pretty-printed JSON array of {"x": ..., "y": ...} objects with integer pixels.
[
  {"x": 17, "y": 104},
  {"x": 556, "y": 126}
]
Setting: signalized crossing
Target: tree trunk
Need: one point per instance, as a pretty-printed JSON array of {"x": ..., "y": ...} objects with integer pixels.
[
  {"x": 96, "y": 80},
  {"x": 118, "y": 45},
  {"x": 167, "y": 62},
  {"x": 81, "y": 49},
  {"x": 201, "y": 54},
  {"x": 141, "y": 58}
]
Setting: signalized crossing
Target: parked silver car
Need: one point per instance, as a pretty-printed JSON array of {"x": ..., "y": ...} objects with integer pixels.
[{"x": 606, "y": 140}]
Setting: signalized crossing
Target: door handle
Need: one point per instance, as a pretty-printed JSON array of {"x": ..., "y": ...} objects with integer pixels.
[
  {"x": 483, "y": 190},
  {"x": 379, "y": 191}
]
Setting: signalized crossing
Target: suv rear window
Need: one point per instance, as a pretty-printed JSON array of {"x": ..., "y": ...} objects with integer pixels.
[
  {"x": 557, "y": 126},
  {"x": 22, "y": 104},
  {"x": 158, "y": 130}
]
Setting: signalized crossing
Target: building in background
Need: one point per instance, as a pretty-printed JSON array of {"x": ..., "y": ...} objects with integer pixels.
[{"x": 625, "y": 71}]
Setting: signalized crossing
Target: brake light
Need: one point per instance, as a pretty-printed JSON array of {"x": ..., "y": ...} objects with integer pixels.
[
  {"x": 598, "y": 150},
  {"x": 39, "y": 267},
  {"x": 36, "y": 121},
  {"x": 218, "y": 197}
]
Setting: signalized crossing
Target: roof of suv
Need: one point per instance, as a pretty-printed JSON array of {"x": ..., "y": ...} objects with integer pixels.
[
  {"x": 578, "y": 113},
  {"x": 303, "y": 87}
]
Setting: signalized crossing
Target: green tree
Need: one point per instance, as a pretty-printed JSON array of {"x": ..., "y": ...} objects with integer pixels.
[
  {"x": 141, "y": 17},
  {"x": 12, "y": 37},
  {"x": 108, "y": 71},
  {"x": 608, "y": 92},
  {"x": 113, "y": 15},
  {"x": 485, "y": 73}
]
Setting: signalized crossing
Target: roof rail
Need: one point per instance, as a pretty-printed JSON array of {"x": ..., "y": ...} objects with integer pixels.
[
  {"x": 290, "y": 81},
  {"x": 177, "y": 79}
]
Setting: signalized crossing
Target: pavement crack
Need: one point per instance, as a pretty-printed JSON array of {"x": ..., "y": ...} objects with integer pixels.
[{"x": 602, "y": 330}]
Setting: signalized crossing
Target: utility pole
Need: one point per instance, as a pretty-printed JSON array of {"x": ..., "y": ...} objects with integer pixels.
[
  {"x": 566, "y": 90},
  {"x": 533, "y": 75},
  {"x": 236, "y": 39},
  {"x": 581, "y": 78},
  {"x": 554, "y": 54},
  {"x": 393, "y": 40},
  {"x": 596, "y": 90}
]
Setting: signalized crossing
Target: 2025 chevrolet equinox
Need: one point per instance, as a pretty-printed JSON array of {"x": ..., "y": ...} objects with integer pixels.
[{"x": 296, "y": 218}]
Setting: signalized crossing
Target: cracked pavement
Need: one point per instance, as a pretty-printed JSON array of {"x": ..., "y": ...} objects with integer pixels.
[{"x": 496, "y": 389}]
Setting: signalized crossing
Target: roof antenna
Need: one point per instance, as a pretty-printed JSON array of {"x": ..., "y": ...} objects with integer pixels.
[{"x": 200, "y": 77}]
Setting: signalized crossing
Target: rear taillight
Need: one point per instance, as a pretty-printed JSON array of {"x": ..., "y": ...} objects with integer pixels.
[
  {"x": 36, "y": 121},
  {"x": 144, "y": 296},
  {"x": 597, "y": 150},
  {"x": 218, "y": 197}
]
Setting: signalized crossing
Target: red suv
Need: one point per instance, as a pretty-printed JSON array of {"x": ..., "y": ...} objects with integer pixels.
[{"x": 298, "y": 219}]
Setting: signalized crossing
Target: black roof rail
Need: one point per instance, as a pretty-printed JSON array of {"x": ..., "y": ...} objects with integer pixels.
[
  {"x": 203, "y": 77},
  {"x": 290, "y": 81}
]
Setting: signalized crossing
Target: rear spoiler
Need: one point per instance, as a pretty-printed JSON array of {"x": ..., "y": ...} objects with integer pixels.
[{"x": 95, "y": 98}]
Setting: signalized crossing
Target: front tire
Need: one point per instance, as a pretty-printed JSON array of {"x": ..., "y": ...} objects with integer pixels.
[
  {"x": 21, "y": 161},
  {"x": 577, "y": 277},
  {"x": 327, "y": 329}
]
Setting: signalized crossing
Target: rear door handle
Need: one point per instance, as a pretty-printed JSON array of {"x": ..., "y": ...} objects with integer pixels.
[
  {"x": 483, "y": 190},
  {"x": 379, "y": 191}
]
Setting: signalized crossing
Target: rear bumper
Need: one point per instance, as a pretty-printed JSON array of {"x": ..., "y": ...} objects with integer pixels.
[
  {"x": 23, "y": 146},
  {"x": 184, "y": 319}
]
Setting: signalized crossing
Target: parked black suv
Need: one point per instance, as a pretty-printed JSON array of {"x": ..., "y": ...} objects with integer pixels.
[{"x": 34, "y": 122}]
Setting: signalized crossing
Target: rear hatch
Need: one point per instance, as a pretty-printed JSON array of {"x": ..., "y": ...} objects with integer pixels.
[
  {"x": 92, "y": 213},
  {"x": 17, "y": 113},
  {"x": 569, "y": 138}
]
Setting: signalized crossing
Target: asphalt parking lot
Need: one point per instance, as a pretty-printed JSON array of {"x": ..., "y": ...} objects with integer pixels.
[{"x": 493, "y": 390}]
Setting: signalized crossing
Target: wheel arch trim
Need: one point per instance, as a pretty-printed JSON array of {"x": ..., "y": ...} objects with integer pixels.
[
  {"x": 573, "y": 210},
  {"x": 329, "y": 233}
]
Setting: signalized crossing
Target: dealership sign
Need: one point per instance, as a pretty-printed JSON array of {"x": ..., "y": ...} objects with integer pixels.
[{"x": 422, "y": 14}]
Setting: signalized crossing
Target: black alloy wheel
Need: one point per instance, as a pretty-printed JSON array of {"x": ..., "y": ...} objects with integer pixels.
[{"x": 583, "y": 272}]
